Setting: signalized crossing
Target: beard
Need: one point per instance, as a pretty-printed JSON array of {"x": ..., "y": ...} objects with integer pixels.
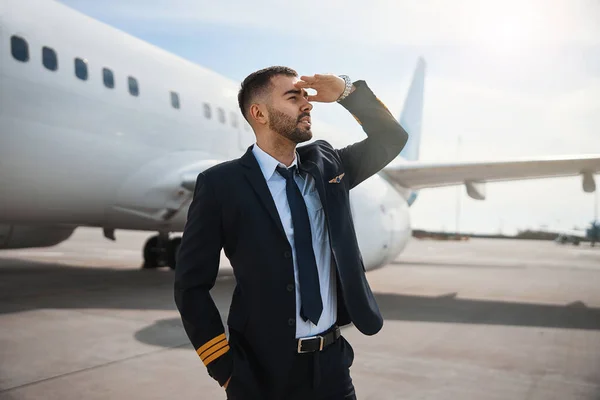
[{"x": 287, "y": 126}]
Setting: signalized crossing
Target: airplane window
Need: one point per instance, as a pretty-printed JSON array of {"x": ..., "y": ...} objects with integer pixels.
[
  {"x": 81, "y": 69},
  {"x": 49, "y": 58},
  {"x": 134, "y": 89},
  {"x": 175, "y": 100},
  {"x": 109, "y": 78},
  {"x": 207, "y": 111},
  {"x": 234, "y": 122},
  {"x": 221, "y": 115},
  {"x": 19, "y": 48}
]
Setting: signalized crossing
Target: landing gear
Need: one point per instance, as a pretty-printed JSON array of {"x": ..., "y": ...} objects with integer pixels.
[
  {"x": 172, "y": 250},
  {"x": 159, "y": 251}
]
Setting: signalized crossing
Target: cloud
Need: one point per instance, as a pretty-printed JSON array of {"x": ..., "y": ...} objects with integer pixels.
[
  {"x": 505, "y": 24},
  {"x": 583, "y": 99},
  {"x": 496, "y": 123}
]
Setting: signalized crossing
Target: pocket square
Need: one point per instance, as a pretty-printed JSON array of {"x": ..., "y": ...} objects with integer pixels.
[{"x": 337, "y": 179}]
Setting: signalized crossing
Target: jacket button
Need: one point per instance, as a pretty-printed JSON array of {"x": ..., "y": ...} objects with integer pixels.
[
  {"x": 290, "y": 287},
  {"x": 287, "y": 254},
  {"x": 291, "y": 321}
]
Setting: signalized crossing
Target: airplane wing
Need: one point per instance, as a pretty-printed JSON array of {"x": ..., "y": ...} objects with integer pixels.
[
  {"x": 410, "y": 173},
  {"x": 419, "y": 175}
]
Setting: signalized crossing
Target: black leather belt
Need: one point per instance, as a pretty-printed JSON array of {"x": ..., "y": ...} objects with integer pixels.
[{"x": 319, "y": 342}]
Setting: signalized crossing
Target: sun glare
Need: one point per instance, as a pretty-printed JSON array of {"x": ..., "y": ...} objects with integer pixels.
[
  {"x": 510, "y": 35},
  {"x": 511, "y": 28}
]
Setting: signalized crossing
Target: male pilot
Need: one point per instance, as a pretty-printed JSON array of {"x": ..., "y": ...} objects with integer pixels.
[{"x": 282, "y": 215}]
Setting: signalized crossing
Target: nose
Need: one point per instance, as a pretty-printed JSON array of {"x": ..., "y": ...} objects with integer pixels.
[{"x": 306, "y": 107}]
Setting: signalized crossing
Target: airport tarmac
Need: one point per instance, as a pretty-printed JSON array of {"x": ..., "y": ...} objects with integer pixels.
[{"x": 479, "y": 319}]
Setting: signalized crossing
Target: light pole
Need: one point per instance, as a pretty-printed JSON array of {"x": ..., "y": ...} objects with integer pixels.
[
  {"x": 458, "y": 189},
  {"x": 595, "y": 205}
]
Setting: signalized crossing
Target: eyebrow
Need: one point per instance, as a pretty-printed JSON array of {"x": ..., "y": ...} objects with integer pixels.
[{"x": 296, "y": 91}]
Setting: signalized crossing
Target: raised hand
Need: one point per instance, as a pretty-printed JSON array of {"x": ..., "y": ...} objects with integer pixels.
[{"x": 329, "y": 87}]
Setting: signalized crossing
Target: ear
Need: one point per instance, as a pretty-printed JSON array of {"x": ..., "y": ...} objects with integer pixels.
[{"x": 259, "y": 113}]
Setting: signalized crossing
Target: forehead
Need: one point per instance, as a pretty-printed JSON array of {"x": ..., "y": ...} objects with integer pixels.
[{"x": 283, "y": 83}]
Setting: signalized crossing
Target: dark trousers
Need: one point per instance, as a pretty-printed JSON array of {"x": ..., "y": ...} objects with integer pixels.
[{"x": 321, "y": 375}]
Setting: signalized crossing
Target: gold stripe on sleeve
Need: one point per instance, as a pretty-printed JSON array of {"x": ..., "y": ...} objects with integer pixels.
[
  {"x": 213, "y": 349},
  {"x": 210, "y": 343}
]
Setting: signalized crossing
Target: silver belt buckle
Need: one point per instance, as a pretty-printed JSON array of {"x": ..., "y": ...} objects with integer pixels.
[{"x": 308, "y": 338}]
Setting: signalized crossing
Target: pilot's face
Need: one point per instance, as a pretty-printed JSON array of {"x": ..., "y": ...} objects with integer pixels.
[{"x": 289, "y": 110}]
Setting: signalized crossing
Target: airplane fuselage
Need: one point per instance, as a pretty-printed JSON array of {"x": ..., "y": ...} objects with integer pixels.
[{"x": 97, "y": 129}]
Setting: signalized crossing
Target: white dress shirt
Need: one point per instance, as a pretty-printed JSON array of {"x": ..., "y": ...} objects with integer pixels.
[{"x": 320, "y": 237}]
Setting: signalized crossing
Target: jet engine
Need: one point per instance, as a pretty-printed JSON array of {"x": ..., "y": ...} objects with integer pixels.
[
  {"x": 381, "y": 220},
  {"x": 24, "y": 236}
]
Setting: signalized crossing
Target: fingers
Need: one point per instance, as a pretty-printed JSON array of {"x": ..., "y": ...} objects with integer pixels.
[
  {"x": 302, "y": 84},
  {"x": 315, "y": 82},
  {"x": 309, "y": 79}
]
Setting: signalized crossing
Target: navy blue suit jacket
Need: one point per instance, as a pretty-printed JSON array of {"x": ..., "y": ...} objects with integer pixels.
[{"x": 232, "y": 209}]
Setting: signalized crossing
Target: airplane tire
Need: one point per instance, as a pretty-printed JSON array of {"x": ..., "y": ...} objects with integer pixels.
[
  {"x": 172, "y": 250},
  {"x": 151, "y": 253}
]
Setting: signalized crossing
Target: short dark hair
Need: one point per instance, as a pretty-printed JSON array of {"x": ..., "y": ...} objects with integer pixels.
[{"x": 257, "y": 83}]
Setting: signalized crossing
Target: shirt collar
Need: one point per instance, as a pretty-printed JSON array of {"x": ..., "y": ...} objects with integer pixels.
[{"x": 268, "y": 164}]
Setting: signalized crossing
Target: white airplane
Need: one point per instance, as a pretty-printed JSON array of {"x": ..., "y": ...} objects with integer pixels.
[{"x": 100, "y": 129}]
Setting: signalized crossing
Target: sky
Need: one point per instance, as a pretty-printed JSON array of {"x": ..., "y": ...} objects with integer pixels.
[{"x": 505, "y": 79}]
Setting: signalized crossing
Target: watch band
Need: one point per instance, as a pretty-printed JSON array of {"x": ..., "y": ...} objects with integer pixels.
[{"x": 347, "y": 89}]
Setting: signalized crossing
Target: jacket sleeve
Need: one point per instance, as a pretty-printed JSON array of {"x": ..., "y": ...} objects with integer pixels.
[
  {"x": 195, "y": 274},
  {"x": 385, "y": 136}
]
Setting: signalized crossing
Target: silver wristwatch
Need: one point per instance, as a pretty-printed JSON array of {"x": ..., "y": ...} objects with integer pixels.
[{"x": 347, "y": 89}]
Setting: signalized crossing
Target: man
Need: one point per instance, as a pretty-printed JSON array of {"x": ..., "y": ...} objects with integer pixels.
[{"x": 282, "y": 215}]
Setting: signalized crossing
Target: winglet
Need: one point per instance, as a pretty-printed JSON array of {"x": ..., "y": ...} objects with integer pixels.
[{"x": 412, "y": 113}]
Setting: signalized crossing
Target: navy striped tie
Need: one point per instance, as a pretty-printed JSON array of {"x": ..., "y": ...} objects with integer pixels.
[{"x": 310, "y": 292}]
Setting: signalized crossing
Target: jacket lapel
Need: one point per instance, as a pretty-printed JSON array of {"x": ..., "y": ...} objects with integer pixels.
[{"x": 258, "y": 183}]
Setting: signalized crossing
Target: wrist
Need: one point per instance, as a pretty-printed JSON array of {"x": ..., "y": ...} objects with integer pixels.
[
  {"x": 226, "y": 383},
  {"x": 348, "y": 88}
]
